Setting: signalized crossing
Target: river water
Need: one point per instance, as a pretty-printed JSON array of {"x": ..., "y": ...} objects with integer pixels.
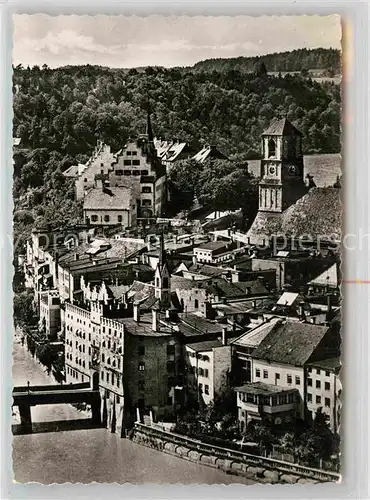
[{"x": 88, "y": 455}]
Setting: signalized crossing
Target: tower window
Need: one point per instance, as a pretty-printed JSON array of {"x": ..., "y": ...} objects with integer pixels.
[
  {"x": 196, "y": 304},
  {"x": 272, "y": 148},
  {"x": 165, "y": 282}
]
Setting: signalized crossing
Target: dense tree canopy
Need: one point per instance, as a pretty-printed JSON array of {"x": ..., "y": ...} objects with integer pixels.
[{"x": 60, "y": 113}]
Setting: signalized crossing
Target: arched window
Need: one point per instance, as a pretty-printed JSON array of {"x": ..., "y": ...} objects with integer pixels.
[
  {"x": 272, "y": 148},
  {"x": 196, "y": 303}
]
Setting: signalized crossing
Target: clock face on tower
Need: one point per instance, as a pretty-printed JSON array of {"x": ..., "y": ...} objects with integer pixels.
[
  {"x": 272, "y": 170},
  {"x": 293, "y": 169}
]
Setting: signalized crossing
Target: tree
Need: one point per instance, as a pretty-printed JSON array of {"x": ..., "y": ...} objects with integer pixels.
[
  {"x": 23, "y": 308},
  {"x": 260, "y": 433},
  {"x": 261, "y": 70}
]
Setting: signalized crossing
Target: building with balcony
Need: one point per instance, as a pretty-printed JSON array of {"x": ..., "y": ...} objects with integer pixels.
[{"x": 259, "y": 401}]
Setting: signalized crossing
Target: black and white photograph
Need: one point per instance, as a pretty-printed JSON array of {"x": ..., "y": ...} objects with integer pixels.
[{"x": 177, "y": 245}]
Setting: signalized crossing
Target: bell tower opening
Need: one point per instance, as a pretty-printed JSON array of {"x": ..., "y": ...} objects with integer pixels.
[{"x": 271, "y": 148}]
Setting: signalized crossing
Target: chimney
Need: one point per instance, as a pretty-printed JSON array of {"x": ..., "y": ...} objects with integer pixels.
[
  {"x": 300, "y": 309},
  {"x": 224, "y": 336},
  {"x": 155, "y": 320},
  {"x": 136, "y": 312},
  {"x": 195, "y": 260},
  {"x": 329, "y": 302}
]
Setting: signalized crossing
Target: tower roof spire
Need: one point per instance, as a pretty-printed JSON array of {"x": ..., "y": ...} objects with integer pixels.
[{"x": 162, "y": 254}]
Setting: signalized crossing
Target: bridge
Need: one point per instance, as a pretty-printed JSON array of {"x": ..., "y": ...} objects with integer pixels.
[{"x": 27, "y": 396}]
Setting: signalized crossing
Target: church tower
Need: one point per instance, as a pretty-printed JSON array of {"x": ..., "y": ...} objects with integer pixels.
[
  {"x": 162, "y": 278},
  {"x": 282, "y": 180}
]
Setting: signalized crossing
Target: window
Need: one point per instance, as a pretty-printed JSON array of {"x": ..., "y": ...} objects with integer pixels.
[
  {"x": 165, "y": 282},
  {"x": 118, "y": 382},
  {"x": 141, "y": 385},
  {"x": 136, "y": 172},
  {"x": 141, "y": 367},
  {"x": 85, "y": 180},
  {"x": 318, "y": 384},
  {"x": 206, "y": 372},
  {"x": 206, "y": 389},
  {"x": 309, "y": 370},
  {"x": 119, "y": 173},
  {"x": 94, "y": 218},
  {"x": 146, "y": 189},
  {"x": 200, "y": 387},
  {"x": 136, "y": 162},
  {"x": 289, "y": 379},
  {"x": 119, "y": 218},
  {"x": 318, "y": 371},
  {"x": 106, "y": 218},
  {"x": 141, "y": 350},
  {"x": 309, "y": 398},
  {"x": 327, "y": 402},
  {"x": 200, "y": 372},
  {"x": 134, "y": 153},
  {"x": 127, "y": 172},
  {"x": 170, "y": 350},
  {"x": 318, "y": 400},
  {"x": 127, "y": 162},
  {"x": 144, "y": 172},
  {"x": 206, "y": 358},
  {"x": 128, "y": 153},
  {"x": 117, "y": 399},
  {"x": 196, "y": 303},
  {"x": 108, "y": 377},
  {"x": 277, "y": 376},
  {"x": 327, "y": 386},
  {"x": 327, "y": 374},
  {"x": 309, "y": 382},
  {"x": 265, "y": 374},
  {"x": 258, "y": 373},
  {"x": 146, "y": 203},
  {"x": 297, "y": 380},
  {"x": 112, "y": 379}
]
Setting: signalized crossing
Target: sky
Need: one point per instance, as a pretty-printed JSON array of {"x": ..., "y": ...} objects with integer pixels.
[{"x": 132, "y": 41}]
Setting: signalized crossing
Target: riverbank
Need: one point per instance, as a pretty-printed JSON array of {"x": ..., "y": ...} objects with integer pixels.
[
  {"x": 261, "y": 469},
  {"x": 92, "y": 455}
]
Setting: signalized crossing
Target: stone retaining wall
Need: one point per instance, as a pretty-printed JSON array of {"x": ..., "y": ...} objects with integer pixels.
[{"x": 189, "y": 450}]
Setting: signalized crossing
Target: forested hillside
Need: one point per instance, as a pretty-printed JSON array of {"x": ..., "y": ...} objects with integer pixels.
[
  {"x": 327, "y": 60},
  {"x": 60, "y": 113}
]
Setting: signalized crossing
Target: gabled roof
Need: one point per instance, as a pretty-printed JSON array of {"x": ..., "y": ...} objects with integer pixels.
[
  {"x": 281, "y": 126},
  {"x": 291, "y": 343},
  {"x": 208, "y": 152},
  {"x": 254, "y": 337},
  {"x": 287, "y": 299},
  {"x": 113, "y": 198},
  {"x": 329, "y": 277}
]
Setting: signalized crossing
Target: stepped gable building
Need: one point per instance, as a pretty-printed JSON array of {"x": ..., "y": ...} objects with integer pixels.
[
  {"x": 138, "y": 167},
  {"x": 287, "y": 207},
  {"x": 84, "y": 173}
]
